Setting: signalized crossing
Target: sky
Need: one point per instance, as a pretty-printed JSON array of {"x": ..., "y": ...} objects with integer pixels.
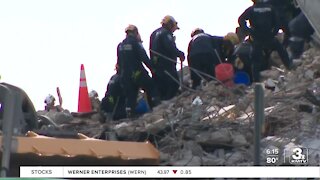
[{"x": 44, "y": 42}]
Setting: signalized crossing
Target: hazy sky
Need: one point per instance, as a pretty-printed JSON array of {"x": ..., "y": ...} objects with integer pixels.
[{"x": 44, "y": 42}]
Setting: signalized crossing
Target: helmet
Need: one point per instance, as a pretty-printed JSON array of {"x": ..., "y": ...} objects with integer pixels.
[
  {"x": 49, "y": 99},
  {"x": 131, "y": 28},
  {"x": 169, "y": 19},
  {"x": 93, "y": 94},
  {"x": 260, "y": 1},
  {"x": 196, "y": 31},
  {"x": 233, "y": 37}
]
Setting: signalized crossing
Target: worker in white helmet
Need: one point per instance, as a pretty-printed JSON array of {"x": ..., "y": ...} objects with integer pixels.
[
  {"x": 50, "y": 104},
  {"x": 95, "y": 102}
]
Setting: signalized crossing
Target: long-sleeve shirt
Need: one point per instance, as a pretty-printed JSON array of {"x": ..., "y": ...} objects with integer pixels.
[
  {"x": 263, "y": 20},
  {"x": 163, "y": 42},
  {"x": 131, "y": 55}
]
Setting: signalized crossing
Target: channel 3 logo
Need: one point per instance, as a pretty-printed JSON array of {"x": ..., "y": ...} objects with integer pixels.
[{"x": 298, "y": 156}]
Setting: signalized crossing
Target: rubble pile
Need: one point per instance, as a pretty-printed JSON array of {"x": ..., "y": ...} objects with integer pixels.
[{"x": 214, "y": 125}]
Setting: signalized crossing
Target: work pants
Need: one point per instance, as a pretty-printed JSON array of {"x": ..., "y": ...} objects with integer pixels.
[
  {"x": 258, "y": 49},
  {"x": 167, "y": 83},
  {"x": 203, "y": 63},
  {"x": 131, "y": 88}
]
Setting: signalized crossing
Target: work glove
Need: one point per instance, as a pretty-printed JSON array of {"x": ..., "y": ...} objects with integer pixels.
[{"x": 238, "y": 63}]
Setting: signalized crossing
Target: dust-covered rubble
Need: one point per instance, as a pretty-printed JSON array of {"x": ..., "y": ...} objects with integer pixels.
[{"x": 220, "y": 130}]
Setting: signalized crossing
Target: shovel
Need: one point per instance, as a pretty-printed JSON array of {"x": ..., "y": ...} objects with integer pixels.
[
  {"x": 59, "y": 96},
  {"x": 181, "y": 77}
]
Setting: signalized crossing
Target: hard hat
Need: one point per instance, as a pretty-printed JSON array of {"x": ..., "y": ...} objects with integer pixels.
[
  {"x": 169, "y": 19},
  {"x": 260, "y": 1},
  {"x": 49, "y": 99},
  {"x": 196, "y": 31},
  {"x": 233, "y": 37},
  {"x": 131, "y": 28},
  {"x": 93, "y": 93}
]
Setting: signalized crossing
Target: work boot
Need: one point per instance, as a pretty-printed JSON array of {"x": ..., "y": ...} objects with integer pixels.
[{"x": 296, "y": 46}]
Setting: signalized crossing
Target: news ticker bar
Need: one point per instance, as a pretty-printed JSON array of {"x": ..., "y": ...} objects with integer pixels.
[{"x": 169, "y": 172}]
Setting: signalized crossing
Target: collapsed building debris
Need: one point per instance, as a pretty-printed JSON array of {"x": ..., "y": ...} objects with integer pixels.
[{"x": 219, "y": 130}]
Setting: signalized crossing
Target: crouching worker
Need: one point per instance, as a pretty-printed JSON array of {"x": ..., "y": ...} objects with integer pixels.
[
  {"x": 205, "y": 52},
  {"x": 112, "y": 106},
  {"x": 244, "y": 61}
]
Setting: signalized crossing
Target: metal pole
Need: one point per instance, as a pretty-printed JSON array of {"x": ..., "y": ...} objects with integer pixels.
[
  {"x": 7, "y": 128},
  {"x": 258, "y": 120}
]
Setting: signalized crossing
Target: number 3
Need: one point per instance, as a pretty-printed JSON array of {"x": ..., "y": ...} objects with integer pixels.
[{"x": 297, "y": 153}]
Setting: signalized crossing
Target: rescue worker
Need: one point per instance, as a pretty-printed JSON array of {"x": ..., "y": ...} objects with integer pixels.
[
  {"x": 163, "y": 54},
  {"x": 280, "y": 8},
  {"x": 50, "y": 104},
  {"x": 205, "y": 52},
  {"x": 131, "y": 55},
  {"x": 55, "y": 112},
  {"x": 113, "y": 103},
  {"x": 264, "y": 27},
  {"x": 301, "y": 30},
  {"x": 94, "y": 99},
  {"x": 243, "y": 58},
  {"x": 286, "y": 11},
  {"x": 230, "y": 41}
]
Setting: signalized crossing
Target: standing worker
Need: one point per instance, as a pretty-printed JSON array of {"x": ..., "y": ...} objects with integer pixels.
[
  {"x": 133, "y": 75},
  {"x": 264, "y": 27},
  {"x": 164, "y": 53},
  {"x": 286, "y": 11},
  {"x": 280, "y": 7}
]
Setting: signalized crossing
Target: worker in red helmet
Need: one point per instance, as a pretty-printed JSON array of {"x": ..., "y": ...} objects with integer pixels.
[
  {"x": 131, "y": 57},
  {"x": 163, "y": 54}
]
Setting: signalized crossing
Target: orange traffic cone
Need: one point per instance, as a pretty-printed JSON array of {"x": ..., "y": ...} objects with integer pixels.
[{"x": 84, "y": 104}]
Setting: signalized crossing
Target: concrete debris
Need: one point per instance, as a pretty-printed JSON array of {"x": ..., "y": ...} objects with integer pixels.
[
  {"x": 313, "y": 146},
  {"x": 220, "y": 137},
  {"x": 239, "y": 140},
  {"x": 235, "y": 158},
  {"x": 309, "y": 74},
  {"x": 214, "y": 125},
  {"x": 58, "y": 117}
]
